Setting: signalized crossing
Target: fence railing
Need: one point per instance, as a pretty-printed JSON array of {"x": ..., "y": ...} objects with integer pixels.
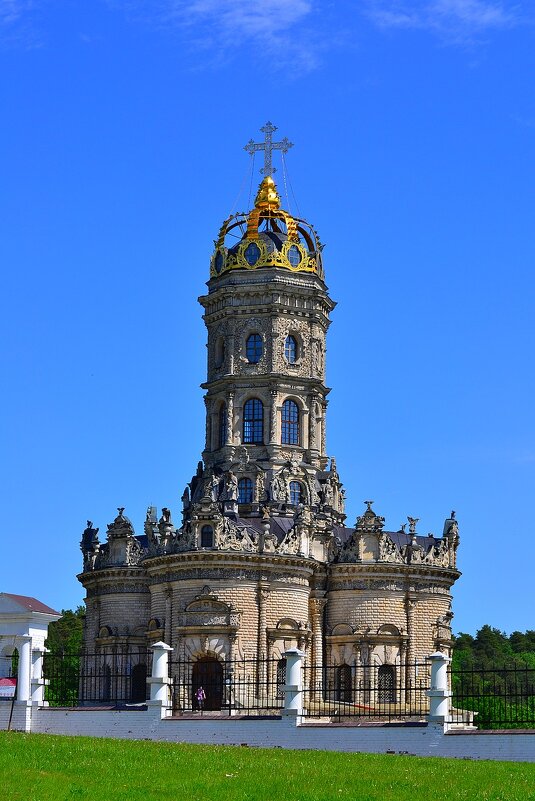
[
  {"x": 499, "y": 698},
  {"x": 486, "y": 698},
  {"x": 245, "y": 686},
  {"x": 375, "y": 692},
  {"x": 106, "y": 677}
]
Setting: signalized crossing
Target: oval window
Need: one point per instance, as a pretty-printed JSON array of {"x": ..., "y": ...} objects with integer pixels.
[
  {"x": 218, "y": 263},
  {"x": 294, "y": 256},
  {"x": 252, "y": 253}
]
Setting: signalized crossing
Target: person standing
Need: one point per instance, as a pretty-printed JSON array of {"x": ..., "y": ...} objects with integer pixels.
[{"x": 200, "y": 697}]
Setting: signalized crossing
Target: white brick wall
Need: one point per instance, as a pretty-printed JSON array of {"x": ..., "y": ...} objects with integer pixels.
[{"x": 427, "y": 740}]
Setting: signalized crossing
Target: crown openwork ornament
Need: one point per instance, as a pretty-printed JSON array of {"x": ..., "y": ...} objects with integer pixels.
[{"x": 267, "y": 236}]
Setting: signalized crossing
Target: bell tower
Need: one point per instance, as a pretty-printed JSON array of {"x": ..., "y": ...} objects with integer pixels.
[{"x": 267, "y": 315}]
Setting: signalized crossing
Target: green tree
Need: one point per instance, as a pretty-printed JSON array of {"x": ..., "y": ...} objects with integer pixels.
[{"x": 65, "y": 635}]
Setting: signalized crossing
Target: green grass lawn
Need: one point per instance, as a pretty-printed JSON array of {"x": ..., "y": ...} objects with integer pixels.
[{"x": 36, "y": 767}]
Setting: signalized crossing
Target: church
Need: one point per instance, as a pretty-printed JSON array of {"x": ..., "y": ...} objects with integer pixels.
[{"x": 260, "y": 559}]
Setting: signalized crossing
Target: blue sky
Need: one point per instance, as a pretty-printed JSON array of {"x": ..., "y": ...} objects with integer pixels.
[{"x": 122, "y": 151}]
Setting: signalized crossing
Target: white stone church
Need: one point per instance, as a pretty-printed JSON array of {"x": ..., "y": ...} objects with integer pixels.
[{"x": 260, "y": 558}]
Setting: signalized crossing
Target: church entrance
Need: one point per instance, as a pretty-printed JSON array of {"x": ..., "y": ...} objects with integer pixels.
[{"x": 208, "y": 673}]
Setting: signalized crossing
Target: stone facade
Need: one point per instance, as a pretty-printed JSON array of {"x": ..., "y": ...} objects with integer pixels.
[{"x": 261, "y": 559}]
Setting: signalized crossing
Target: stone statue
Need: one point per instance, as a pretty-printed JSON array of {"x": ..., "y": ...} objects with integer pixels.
[
  {"x": 279, "y": 488},
  {"x": 231, "y": 487},
  {"x": 412, "y": 524},
  {"x": 166, "y": 515},
  {"x": 328, "y": 493}
]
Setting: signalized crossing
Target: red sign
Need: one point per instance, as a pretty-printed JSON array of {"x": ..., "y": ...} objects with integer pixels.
[{"x": 7, "y": 688}]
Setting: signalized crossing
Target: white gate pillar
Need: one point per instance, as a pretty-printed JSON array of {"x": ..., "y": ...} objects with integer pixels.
[
  {"x": 159, "y": 681},
  {"x": 439, "y": 694},
  {"x": 38, "y": 682},
  {"x": 293, "y": 689}
]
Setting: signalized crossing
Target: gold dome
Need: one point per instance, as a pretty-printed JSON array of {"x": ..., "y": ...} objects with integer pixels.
[{"x": 267, "y": 236}]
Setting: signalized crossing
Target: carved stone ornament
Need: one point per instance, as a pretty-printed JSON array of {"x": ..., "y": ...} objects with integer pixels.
[
  {"x": 231, "y": 537},
  {"x": 185, "y": 539},
  {"x": 279, "y": 487},
  {"x": 291, "y": 542},
  {"x": 369, "y": 522},
  {"x": 241, "y": 455},
  {"x": 121, "y": 526},
  {"x": 134, "y": 552},
  {"x": 388, "y": 550}
]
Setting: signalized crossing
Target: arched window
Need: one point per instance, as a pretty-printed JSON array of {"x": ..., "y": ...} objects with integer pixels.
[
  {"x": 290, "y": 423},
  {"x": 222, "y": 425},
  {"x": 290, "y": 349},
  {"x": 386, "y": 680},
  {"x": 245, "y": 490},
  {"x": 253, "y": 422},
  {"x": 207, "y": 537},
  {"x": 342, "y": 683},
  {"x": 296, "y": 493},
  {"x": 254, "y": 348}
]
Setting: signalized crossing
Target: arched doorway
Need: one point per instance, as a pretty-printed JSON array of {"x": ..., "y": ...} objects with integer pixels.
[
  {"x": 208, "y": 673},
  {"x": 386, "y": 679}
]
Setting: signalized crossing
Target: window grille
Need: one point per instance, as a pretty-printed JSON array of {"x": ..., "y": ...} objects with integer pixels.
[
  {"x": 253, "y": 422},
  {"x": 207, "y": 537},
  {"x": 290, "y": 349},
  {"x": 245, "y": 490},
  {"x": 290, "y": 423},
  {"x": 296, "y": 493},
  {"x": 254, "y": 348}
]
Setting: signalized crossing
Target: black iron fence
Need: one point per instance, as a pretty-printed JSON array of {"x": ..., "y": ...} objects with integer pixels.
[
  {"x": 487, "y": 698},
  {"x": 497, "y": 698},
  {"x": 340, "y": 693},
  {"x": 114, "y": 676},
  {"x": 246, "y": 686}
]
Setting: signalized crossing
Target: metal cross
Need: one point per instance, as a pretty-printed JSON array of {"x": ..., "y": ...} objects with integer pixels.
[{"x": 268, "y": 146}]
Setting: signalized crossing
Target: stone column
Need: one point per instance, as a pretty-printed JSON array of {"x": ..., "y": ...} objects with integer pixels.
[
  {"x": 168, "y": 614},
  {"x": 439, "y": 695},
  {"x": 317, "y": 605},
  {"x": 159, "y": 681},
  {"x": 323, "y": 429},
  {"x": 230, "y": 418},
  {"x": 24, "y": 645},
  {"x": 273, "y": 417},
  {"x": 263, "y": 594},
  {"x": 38, "y": 682},
  {"x": 403, "y": 659},
  {"x": 230, "y": 353},
  {"x": 304, "y": 434},
  {"x": 208, "y": 426},
  {"x": 358, "y": 695},
  {"x": 410, "y": 675},
  {"x": 293, "y": 688},
  {"x": 312, "y": 428}
]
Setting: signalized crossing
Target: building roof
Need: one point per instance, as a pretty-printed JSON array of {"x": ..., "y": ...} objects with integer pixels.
[{"x": 30, "y": 604}]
